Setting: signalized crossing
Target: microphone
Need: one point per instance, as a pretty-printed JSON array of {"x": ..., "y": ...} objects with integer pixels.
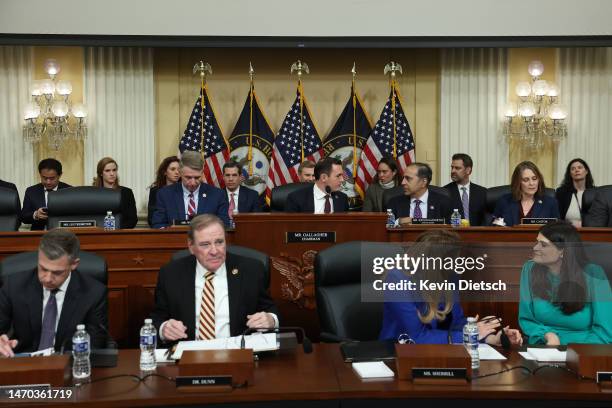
[{"x": 306, "y": 343}]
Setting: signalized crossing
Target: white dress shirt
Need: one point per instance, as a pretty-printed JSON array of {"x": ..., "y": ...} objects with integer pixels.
[
  {"x": 47, "y": 193},
  {"x": 219, "y": 281},
  {"x": 59, "y": 300},
  {"x": 423, "y": 205},
  {"x": 573, "y": 213},
  {"x": 319, "y": 201},
  {"x": 186, "y": 199}
]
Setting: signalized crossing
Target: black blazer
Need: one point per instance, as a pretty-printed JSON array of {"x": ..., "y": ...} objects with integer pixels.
[
  {"x": 508, "y": 209},
  {"x": 302, "y": 201},
  {"x": 175, "y": 293},
  {"x": 564, "y": 196},
  {"x": 478, "y": 202},
  {"x": 6, "y": 184},
  {"x": 600, "y": 213},
  {"x": 33, "y": 199},
  {"x": 248, "y": 200},
  {"x": 129, "y": 216},
  {"x": 151, "y": 205},
  {"x": 21, "y": 299},
  {"x": 438, "y": 206}
]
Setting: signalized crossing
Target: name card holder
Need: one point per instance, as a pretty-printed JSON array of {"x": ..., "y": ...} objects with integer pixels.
[
  {"x": 592, "y": 361},
  {"x": 52, "y": 370},
  {"x": 447, "y": 364},
  {"x": 77, "y": 224},
  {"x": 537, "y": 221},
  {"x": 428, "y": 221},
  {"x": 215, "y": 370}
]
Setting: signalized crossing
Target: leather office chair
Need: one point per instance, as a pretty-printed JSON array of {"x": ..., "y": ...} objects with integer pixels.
[
  {"x": 342, "y": 314},
  {"x": 399, "y": 190},
  {"x": 495, "y": 193},
  {"x": 91, "y": 265},
  {"x": 280, "y": 193},
  {"x": 84, "y": 203},
  {"x": 10, "y": 210},
  {"x": 252, "y": 254}
]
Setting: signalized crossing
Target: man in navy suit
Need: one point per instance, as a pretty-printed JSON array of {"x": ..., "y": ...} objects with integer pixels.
[
  {"x": 418, "y": 201},
  {"x": 469, "y": 198},
  {"x": 183, "y": 201},
  {"x": 240, "y": 199},
  {"x": 34, "y": 209},
  {"x": 324, "y": 197}
]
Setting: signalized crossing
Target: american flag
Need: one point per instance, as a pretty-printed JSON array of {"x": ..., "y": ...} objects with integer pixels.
[
  {"x": 380, "y": 143},
  {"x": 215, "y": 149},
  {"x": 287, "y": 150}
]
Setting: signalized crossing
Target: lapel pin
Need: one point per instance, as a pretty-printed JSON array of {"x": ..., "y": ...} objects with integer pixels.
[
  {"x": 431, "y": 207},
  {"x": 539, "y": 201},
  {"x": 235, "y": 271},
  {"x": 204, "y": 195}
]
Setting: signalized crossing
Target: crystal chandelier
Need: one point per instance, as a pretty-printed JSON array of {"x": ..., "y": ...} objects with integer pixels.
[
  {"x": 538, "y": 116},
  {"x": 51, "y": 113}
]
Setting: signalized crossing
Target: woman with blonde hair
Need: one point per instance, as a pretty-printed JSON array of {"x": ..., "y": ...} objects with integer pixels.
[
  {"x": 107, "y": 177},
  {"x": 434, "y": 316}
]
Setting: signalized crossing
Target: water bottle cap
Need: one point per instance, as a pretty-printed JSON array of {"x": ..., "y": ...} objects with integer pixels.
[
  {"x": 454, "y": 209},
  {"x": 471, "y": 320},
  {"x": 148, "y": 321},
  {"x": 109, "y": 213},
  {"x": 80, "y": 327}
]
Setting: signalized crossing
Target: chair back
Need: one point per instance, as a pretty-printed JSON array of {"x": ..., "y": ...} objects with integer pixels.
[
  {"x": 10, "y": 210},
  {"x": 279, "y": 195},
  {"x": 84, "y": 203}
]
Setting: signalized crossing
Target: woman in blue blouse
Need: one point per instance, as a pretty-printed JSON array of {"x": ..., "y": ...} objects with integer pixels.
[
  {"x": 564, "y": 299},
  {"x": 527, "y": 199},
  {"x": 434, "y": 317}
]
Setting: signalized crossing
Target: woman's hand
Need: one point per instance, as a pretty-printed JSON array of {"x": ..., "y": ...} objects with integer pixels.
[
  {"x": 513, "y": 335},
  {"x": 552, "y": 339},
  {"x": 487, "y": 326}
]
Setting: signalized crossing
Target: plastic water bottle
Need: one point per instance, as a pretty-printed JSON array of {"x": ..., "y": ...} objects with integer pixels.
[
  {"x": 148, "y": 343},
  {"x": 456, "y": 219},
  {"x": 81, "y": 367},
  {"x": 390, "y": 218},
  {"x": 470, "y": 341},
  {"x": 109, "y": 221}
]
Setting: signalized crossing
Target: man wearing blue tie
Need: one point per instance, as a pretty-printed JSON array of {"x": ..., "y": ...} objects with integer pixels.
[{"x": 182, "y": 201}]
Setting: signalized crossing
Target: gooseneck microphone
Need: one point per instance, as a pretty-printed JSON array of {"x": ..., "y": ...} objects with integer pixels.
[{"x": 306, "y": 343}]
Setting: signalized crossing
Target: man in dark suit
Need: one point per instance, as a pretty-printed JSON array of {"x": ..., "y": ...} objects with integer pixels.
[
  {"x": 34, "y": 209},
  {"x": 419, "y": 201},
  {"x": 210, "y": 294},
  {"x": 469, "y": 198},
  {"x": 183, "y": 201},
  {"x": 44, "y": 306},
  {"x": 240, "y": 199},
  {"x": 600, "y": 212},
  {"x": 6, "y": 184},
  {"x": 324, "y": 197}
]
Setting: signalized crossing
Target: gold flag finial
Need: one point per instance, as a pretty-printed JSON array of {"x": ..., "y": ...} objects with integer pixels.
[
  {"x": 300, "y": 67},
  {"x": 354, "y": 71},
  {"x": 251, "y": 71},
  {"x": 203, "y": 68},
  {"x": 393, "y": 68}
]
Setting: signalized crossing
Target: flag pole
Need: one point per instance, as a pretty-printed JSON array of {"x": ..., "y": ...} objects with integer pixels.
[
  {"x": 301, "y": 68},
  {"x": 204, "y": 69},
  {"x": 354, "y": 98},
  {"x": 250, "y": 152},
  {"x": 392, "y": 69}
]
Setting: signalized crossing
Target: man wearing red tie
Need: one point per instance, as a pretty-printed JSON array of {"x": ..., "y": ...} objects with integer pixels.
[
  {"x": 241, "y": 199},
  {"x": 182, "y": 201},
  {"x": 210, "y": 294}
]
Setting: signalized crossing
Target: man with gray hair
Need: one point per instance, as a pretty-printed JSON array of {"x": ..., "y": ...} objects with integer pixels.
[
  {"x": 180, "y": 202},
  {"x": 45, "y": 305},
  {"x": 211, "y": 294}
]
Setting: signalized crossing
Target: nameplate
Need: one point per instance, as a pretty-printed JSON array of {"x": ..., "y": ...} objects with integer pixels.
[
  {"x": 604, "y": 376},
  {"x": 439, "y": 373},
  {"x": 77, "y": 224},
  {"x": 428, "y": 221},
  {"x": 204, "y": 381},
  {"x": 537, "y": 221},
  {"x": 181, "y": 222},
  {"x": 305, "y": 236}
]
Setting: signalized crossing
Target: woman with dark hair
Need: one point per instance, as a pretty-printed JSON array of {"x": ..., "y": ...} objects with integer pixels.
[
  {"x": 168, "y": 173},
  {"x": 107, "y": 177},
  {"x": 569, "y": 194},
  {"x": 564, "y": 299},
  {"x": 433, "y": 316},
  {"x": 527, "y": 199},
  {"x": 387, "y": 176}
]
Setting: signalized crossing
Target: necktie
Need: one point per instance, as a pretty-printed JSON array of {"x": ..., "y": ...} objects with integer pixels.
[
  {"x": 465, "y": 201},
  {"x": 327, "y": 208},
  {"x": 192, "y": 208},
  {"x": 232, "y": 206},
  {"x": 206, "y": 327},
  {"x": 417, "y": 209},
  {"x": 47, "y": 332}
]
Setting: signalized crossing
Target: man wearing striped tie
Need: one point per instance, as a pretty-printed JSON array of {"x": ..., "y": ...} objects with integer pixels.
[{"x": 211, "y": 294}]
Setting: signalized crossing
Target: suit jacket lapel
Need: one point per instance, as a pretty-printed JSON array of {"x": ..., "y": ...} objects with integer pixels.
[
  {"x": 242, "y": 200},
  {"x": 234, "y": 290},
  {"x": 186, "y": 289},
  {"x": 456, "y": 198},
  {"x": 35, "y": 302},
  {"x": 537, "y": 207},
  {"x": 71, "y": 301},
  {"x": 202, "y": 201},
  {"x": 433, "y": 210},
  {"x": 515, "y": 211},
  {"x": 310, "y": 206},
  {"x": 180, "y": 202}
]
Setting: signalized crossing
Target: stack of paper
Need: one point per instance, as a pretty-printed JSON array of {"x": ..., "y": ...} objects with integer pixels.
[
  {"x": 373, "y": 369},
  {"x": 544, "y": 354},
  {"x": 257, "y": 341},
  {"x": 487, "y": 352}
]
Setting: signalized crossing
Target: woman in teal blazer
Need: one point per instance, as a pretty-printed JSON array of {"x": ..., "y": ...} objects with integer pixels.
[{"x": 564, "y": 299}]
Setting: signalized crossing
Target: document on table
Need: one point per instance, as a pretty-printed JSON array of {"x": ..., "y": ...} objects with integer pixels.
[
  {"x": 487, "y": 352},
  {"x": 373, "y": 369},
  {"x": 546, "y": 355},
  {"x": 257, "y": 341}
]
